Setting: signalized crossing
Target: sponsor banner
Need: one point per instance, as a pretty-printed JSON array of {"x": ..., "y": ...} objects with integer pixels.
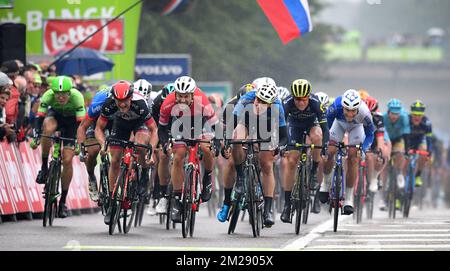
[
  {"x": 63, "y": 34},
  {"x": 30, "y": 167},
  {"x": 14, "y": 177},
  {"x": 79, "y": 184},
  {"x": 6, "y": 201},
  {"x": 162, "y": 69}
]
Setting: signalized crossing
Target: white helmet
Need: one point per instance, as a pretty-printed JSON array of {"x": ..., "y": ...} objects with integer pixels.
[
  {"x": 267, "y": 93},
  {"x": 263, "y": 81},
  {"x": 185, "y": 84},
  {"x": 143, "y": 87},
  {"x": 283, "y": 93},
  {"x": 323, "y": 98},
  {"x": 351, "y": 99}
]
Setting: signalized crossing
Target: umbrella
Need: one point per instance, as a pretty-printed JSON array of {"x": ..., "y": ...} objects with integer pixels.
[{"x": 83, "y": 61}]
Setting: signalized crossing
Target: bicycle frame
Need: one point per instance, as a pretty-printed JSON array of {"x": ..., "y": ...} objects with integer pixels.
[{"x": 194, "y": 162}]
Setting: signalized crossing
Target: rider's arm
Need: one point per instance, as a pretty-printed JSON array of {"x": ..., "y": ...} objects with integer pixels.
[
  {"x": 151, "y": 125},
  {"x": 331, "y": 115},
  {"x": 369, "y": 130},
  {"x": 322, "y": 118},
  {"x": 81, "y": 131},
  {"x": 99, "y": 128},
  {"x": 44, "y": 104},
  {"x": 429, "y": 136}
]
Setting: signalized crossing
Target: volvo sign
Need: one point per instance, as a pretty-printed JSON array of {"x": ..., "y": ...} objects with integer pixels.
[{"x": 162, "y": 69}]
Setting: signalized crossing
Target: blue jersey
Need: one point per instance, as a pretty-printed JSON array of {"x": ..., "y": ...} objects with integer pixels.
[
  {"x": 399, "y": 128},
  {"x": 364, "y": 117},
  {"x": 249, "y": 98},
  {"x": 96, "y": 105}
]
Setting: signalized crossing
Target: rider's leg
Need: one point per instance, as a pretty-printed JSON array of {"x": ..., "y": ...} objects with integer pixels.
[
  {"x": 266, "y": 159},
  {"x": 48, "y": 128},
  {"x": 315, "y": 134},
  {"x": 208, "y": 164}
]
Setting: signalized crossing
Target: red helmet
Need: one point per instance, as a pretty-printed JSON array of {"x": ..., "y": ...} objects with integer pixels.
[
  {"x": 122, "y": 90},
  {"x": 372, "y": 104}
]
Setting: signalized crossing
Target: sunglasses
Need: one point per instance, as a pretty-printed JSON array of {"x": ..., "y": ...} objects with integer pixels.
[{"x": 62, "y": 94}]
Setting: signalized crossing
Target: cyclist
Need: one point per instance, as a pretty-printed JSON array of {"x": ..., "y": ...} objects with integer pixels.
[
  {"x": 144, "y": 88},
  {"x": 260, "y": 115},
  {"x": 420, "y": 137},
  {"x": 163, "y": 158},
  {"x": 181, "y": 113},
  {"x": 303, "y": 112},
  {"x": 347, "y": 114},
  {"x": 283, "y": 93},
  {"x": 61, "y": 108},
  {"x": 86, "y": 136},
  {"x": 397, "y": 125},
  {"x": 323, "y": 99},
  {"x": 374, "y": 165},
  {"x": 229, "y": 124},
  {"x": 130, "y": 113}
]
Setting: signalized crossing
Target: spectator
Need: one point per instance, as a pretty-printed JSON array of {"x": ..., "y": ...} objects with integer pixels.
[
  {"x": 11, "y": 68},
  {"x": 5, "y": 128}
]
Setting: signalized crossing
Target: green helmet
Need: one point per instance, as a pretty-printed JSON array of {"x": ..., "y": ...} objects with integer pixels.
[{"x": 61, "y": 84}]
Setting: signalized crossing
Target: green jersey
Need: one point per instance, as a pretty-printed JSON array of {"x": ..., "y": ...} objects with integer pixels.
[{"x": 74, "y": 107}]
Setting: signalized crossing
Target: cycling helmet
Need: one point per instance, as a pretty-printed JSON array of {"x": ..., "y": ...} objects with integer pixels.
[
  {"x": 167, "y": 89},
  {"x": 263, "y": 81},
  {"x": 394, "y": 106},
  {"x": 267, "y": 93},
  {"x": 418, "y": 108},
  {"x": 363, "y": 94},
  {"x": 323, "y": 98},
  {"x": 61, "y": 84},
  {"x": 143, "y": 87},
  {"x": 372, "y": 104},
  {"x": 301, "y": 88},
  {"x": 244, "y": 89},
  {"x": 122, "y": 90},
  {"x": 351, "y": 99},
  {"x": 283, "y": 93},
  {"x": 185, "y": 84}
]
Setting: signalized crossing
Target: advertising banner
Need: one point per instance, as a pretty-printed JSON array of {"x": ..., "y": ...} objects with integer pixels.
[
  {"x": 63, "y": 34},
  {"x": 162, "y": 69}
]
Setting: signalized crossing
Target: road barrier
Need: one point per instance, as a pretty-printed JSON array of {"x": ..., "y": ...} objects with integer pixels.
[{"x": 21, "y": 196}]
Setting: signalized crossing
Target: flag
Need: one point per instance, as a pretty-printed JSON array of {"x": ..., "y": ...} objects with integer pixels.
[
  {"x": 290, "y": 18},
  {"x": 173, "y": 6}
]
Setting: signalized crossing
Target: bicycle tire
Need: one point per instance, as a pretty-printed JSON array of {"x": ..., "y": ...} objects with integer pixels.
[
  {"x": 196, "y": 179},
  {"x": 234, "y": 211},
  {"x": 116, "y": 202},
  {"x": 299, "y": 202},
  {"x": 140, "y": 212},
  {"x": 169, "y": 207},
  {"x": 252, "y": 206},
  {"x": 408, "y": 194},
  {"x": 187, "y": 202},
  {"x": 369, "y": 205},
  {"x": 359, "y": 195},
  {"x": 48, "y": 200},
  {"x": 337, "y": 197},
  {"x": 392, "y": 193}
]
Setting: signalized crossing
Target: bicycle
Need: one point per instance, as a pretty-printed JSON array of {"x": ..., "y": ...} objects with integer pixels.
[
  {"x": 52, "y": 184},
  {"x": 370, "y": 196},
  {"x": 337, "y": 195},
  {"x": 252, "y": 197},
  {"x": 361, "y": 185},
  {"x": 392, "y": 189},
  {"x": 413, "y": 155},
  {"x": 302, "y": 192},
  {"x": 124, "y": 195},
  {"x": 192, "y": 186}
]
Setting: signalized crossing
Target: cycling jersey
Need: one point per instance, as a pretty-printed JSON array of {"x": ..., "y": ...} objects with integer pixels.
[
  {"x": 74, "y": 107},
  {"x": 421, "y": 132},
  {"x": 299, "y": 120},
  {"x": 361, "y": 127},
  {"x": 398, "y": 129},
  {"x": 95, "y": 109},
  {"x": 156, "y": 107},
  {"x": 135, "y": 119},
  {"x": 265, "y": 122},
  {"x": 379, "y": 128},
  {"x": 199, "y": 110}
]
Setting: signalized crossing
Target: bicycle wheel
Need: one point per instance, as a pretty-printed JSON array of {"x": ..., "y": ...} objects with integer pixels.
[
  {"x": 116, "y": 202},
  {"x": 234, "y": 211},
  {"x": 369, "y": 205},
  {"x": 337, "y": 196},
  {"x": 47, "y": 196},
  {"x": 299, "y": 201},
  {"x": 194, "y": 210},
  {"x": 187, "y": 202},
  {"x": 408, "y": 195},
  {"x": 359, "y": 195},
  {"x": 140, "y": 212},
  {"x": 392, "y": 193},
  {"x": 252, "y": 201},
  {"x": 169, "y": 207}
]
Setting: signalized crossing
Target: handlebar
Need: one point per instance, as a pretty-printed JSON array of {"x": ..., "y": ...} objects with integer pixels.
[{"x": 248, "y": 141}]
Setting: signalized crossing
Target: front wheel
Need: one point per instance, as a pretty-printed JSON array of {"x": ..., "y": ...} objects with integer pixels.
[
  {"x": 337, "y": 197},
  {"x": 186, "y": 214}
]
